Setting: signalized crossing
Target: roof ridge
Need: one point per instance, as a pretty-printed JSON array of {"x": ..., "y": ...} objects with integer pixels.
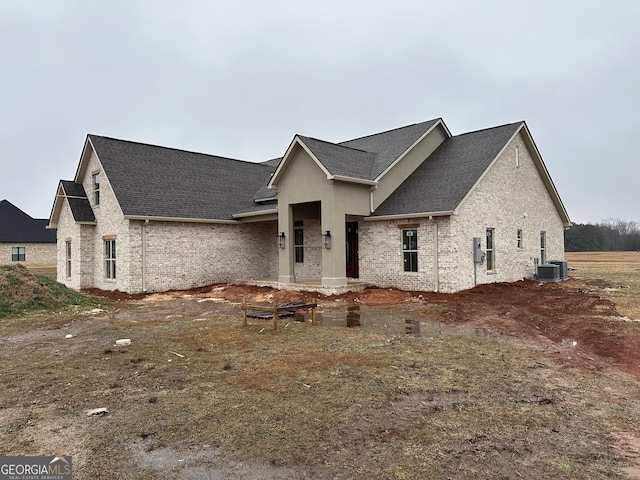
[
  {"x": 177, "y": 149},
  {"x": 489, "y": 128},
  {"x": 390, "y": 130},
  {"x": 334, "y": 144}
]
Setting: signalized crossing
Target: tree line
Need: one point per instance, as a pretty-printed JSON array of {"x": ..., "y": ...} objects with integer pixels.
[{"x": 608, "y": 235}]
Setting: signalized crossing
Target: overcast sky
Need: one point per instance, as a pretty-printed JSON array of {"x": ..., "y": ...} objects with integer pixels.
[{"x": 241, "y": 78}]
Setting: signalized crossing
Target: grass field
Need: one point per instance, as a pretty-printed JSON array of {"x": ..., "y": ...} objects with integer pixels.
[
  {"x": 197, "y": 395},
  {"x": 46, "y": 270},
  {"x": 619, "y": 272}
]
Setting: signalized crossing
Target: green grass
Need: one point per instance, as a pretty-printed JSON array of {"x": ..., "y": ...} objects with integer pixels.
[{"x": 22, "y": 291}]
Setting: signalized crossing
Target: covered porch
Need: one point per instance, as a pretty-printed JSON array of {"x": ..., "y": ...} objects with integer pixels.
[
  {"x": 318, "y": 249},
  {"x": 310, "y": 286}
]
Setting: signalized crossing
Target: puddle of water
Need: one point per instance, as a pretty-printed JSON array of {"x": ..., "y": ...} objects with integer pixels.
[{"x": 393, "y": 321}]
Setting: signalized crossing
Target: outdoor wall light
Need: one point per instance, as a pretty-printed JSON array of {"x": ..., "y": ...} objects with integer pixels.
[
  {"x": 326, "y": 239},
  {"x": 281, "y": 242}
]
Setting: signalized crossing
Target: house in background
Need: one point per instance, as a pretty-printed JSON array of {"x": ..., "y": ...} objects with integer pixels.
[
  {"x": 23, "y": 239},
  {"x": 414, "y": 208}
]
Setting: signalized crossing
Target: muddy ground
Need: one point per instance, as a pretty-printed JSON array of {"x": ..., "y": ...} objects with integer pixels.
[
  {"x": 553, "y": 317},
  {"x": 521, "y": 380}
]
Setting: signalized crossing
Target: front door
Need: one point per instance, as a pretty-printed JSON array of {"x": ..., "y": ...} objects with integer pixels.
[{"x": 352, "y": 250}]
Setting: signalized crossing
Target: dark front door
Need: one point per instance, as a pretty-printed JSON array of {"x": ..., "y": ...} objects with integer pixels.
[{"x": 352, "y": 250}]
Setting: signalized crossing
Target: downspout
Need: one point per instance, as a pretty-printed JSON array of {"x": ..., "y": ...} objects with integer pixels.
[
  {"x": 436, "y": 268},
  {"x": 371, "y": 190},
  {"x": 144, "y": 256}
]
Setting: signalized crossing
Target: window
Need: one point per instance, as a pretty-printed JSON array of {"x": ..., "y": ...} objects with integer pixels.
[
  {"x": 519, "y": 236},
  {"x": 18, "y": 254},
  {"x": 410, "y": 250},
  {"x": 491, "y": 261},
  {"x": 517, "y": 157},
  {"x": 110, "y": 259},
  {"x": 68, "y": 255},
  {"x": 96, "y": 188},
  {"x": 543, "y": 247},
  {"x": 298, "y": 241}
]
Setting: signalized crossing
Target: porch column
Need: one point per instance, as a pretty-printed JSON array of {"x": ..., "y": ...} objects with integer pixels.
[
  {"x": 285, "y": 255},
  {"x": 334, "y": 267}
]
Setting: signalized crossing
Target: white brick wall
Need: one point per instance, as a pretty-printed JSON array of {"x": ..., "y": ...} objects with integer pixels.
[
  {"x": 311, "y": 268},
  {"x": 186, "y": 255},
  {"x": 381, "y": 255},
  {"x": 109, "y": 222},
  {"x": 177, "y": 255},
  {"x": 68, "y": 229},
  {"x": 507, "y": 198},
  {"x": 35, "y": 253}
]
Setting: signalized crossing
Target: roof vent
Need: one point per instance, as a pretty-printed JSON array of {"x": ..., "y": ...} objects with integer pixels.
[
  {"x": 564, "y": 268},
  {"x": 548, "y": 273}
]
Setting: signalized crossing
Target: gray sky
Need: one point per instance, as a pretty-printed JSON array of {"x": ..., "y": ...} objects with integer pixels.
[{"x": 241, "y": 78}]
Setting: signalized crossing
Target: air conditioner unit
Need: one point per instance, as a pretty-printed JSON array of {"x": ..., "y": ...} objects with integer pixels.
[
  {"x": 548, "y": 273},
  {"x": 564, "y": 268}
]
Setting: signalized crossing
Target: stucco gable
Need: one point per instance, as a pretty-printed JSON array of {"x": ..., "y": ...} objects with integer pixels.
[
  {"x": 361, "y": 160},
  {"x": 391, "y": 146}
]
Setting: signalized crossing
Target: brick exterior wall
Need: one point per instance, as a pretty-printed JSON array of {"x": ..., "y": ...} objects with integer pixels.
[
  {"x": 183, "y": 255},
  {"x": 81, "y": 254},
  {"x": 507, "y": 198},
  {"x": 186, "y": 255},
  {"x": 380, "y": 253},
  {"x": 35, "y": 253},
  {"x": 311, "y": 268},
  {"x": 177, "y": 255}
]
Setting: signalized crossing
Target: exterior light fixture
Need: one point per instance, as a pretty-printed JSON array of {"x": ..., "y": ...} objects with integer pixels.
[
  {"x": 281, "y": 242},
  {"x": 326, "y": 239}
]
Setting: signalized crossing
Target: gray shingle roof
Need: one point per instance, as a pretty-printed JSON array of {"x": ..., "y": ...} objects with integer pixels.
[
  {"x": 258, "y": 207},
  {"x": 389, "y": 145},
  {"x": 341, "y": 160},
  {"x": 367, "y": 157},
  {"x": 157, "y": 181},
  {"x": 18, "y": 227},
  {"x": 441, "y": 182},
  {"x": 78, "y": 201}
]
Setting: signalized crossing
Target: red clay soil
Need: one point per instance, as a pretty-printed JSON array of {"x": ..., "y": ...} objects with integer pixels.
[{"x": 569, "y": 320}]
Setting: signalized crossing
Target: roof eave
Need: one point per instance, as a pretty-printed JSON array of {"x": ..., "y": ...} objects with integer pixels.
[
  {"x": 546, "y": 178},
  {"x": 178, "y": 219},
  {"x": 360, "y": 181},
  {"x": 398, "y": 216},
  {"x": 267, "y": 199},
  {"x": 255, "y": 214},
  {"x": 55, "y": 208}
]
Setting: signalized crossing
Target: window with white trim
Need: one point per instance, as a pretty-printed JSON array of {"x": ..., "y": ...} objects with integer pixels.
[
  {"x": 410, "y": 249},
  {"x": 67, "y": 249},
  {"x": 543, "y": 247},
  {"x": 519, "y": 238},
  {"x": 491, "y": 260},
  {"x": 110, "y": 258},
  {"x": 96, "y": 188}
]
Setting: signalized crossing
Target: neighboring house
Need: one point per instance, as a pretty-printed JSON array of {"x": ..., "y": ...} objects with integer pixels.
[
  {"x": 399, "y": 208},
  {"x": 24, "y": 239}
]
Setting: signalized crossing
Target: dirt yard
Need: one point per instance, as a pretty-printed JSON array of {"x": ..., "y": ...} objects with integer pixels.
[{"x": 524, "y": 380}]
